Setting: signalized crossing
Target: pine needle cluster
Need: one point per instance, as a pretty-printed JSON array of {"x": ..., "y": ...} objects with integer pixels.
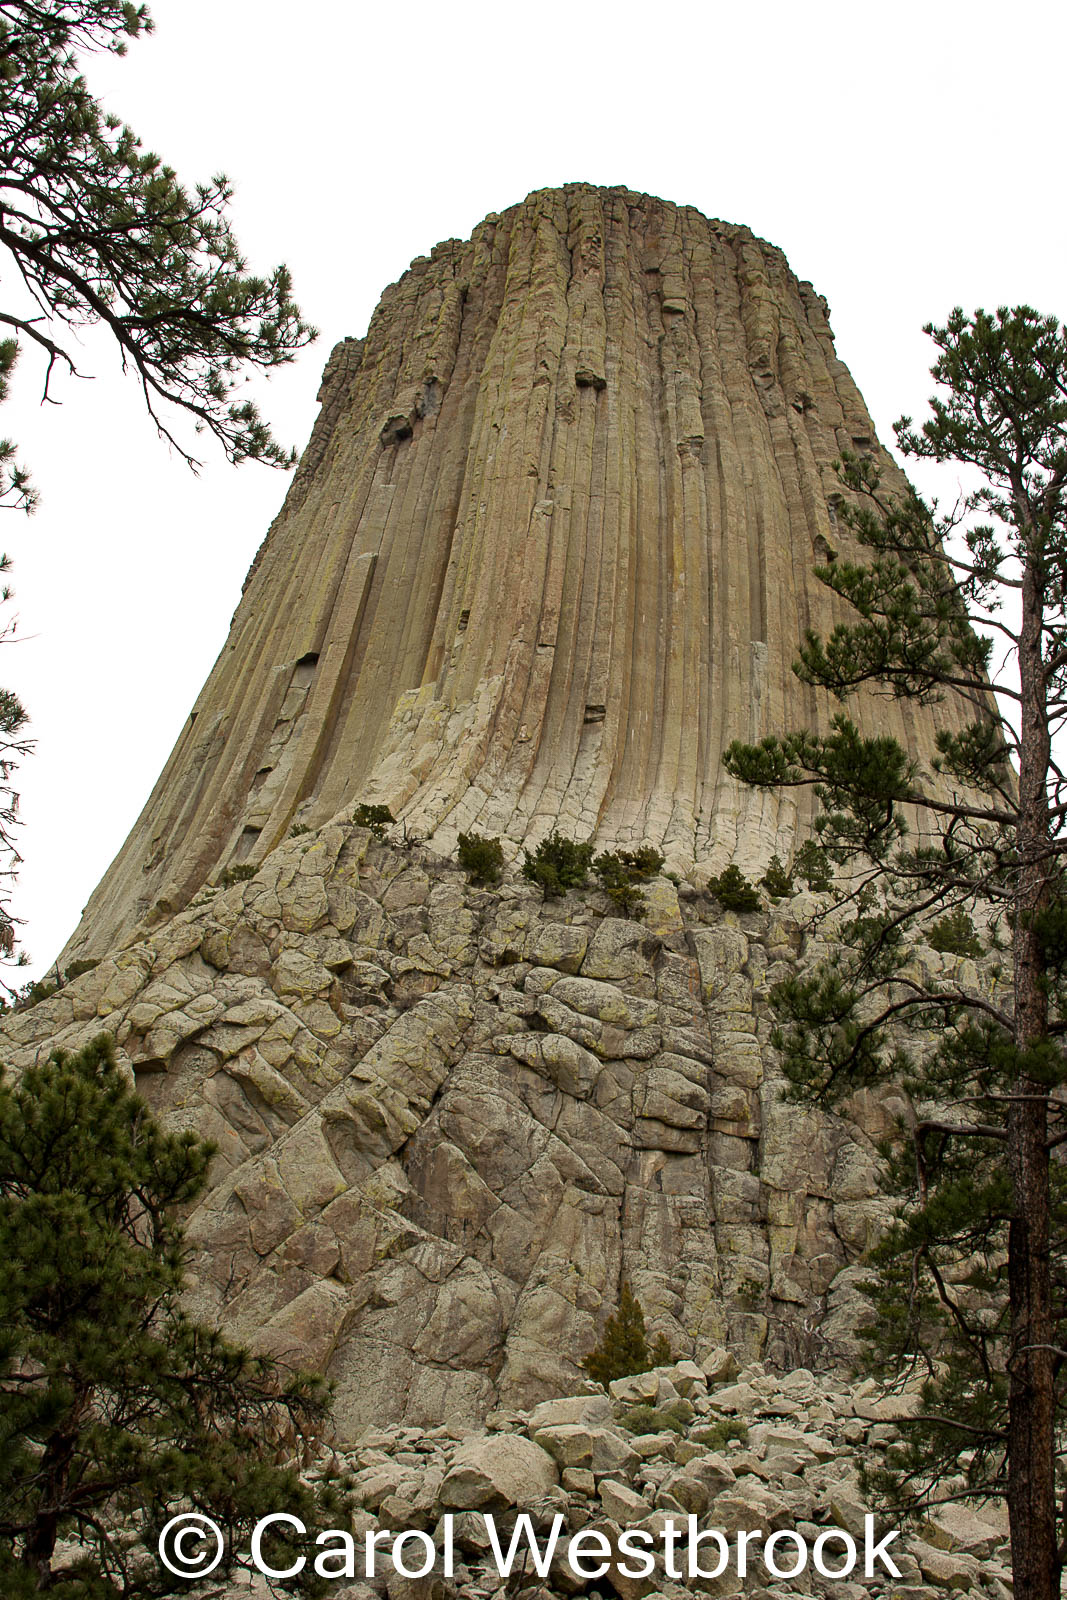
[
  {"x": 117, "y": 1410},
  {"x": 970, "y": 1281},
  {"x": 623, "y": 1347}
]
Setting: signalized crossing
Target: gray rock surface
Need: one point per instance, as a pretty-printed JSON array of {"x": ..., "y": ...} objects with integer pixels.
[
  {"x": 438, "y": 1157},
  {"x": 549, "y": 550},
  {"x": 799, "y": 1473}
]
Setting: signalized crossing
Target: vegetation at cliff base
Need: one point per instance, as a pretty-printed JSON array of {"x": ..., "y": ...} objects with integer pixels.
[
  {"x": 116, "y": 1409},
  {"x": 558, "y": 864},
  {"x": 481, "y": 858},
  {"x": 624, "y": 1346},
  {"x": 621, "y": 872},
  {"x": 970, "y": 1290},
  {"x": 776, "y": 880},
  {"x": 376, "y": 818},
  {"x": 733, "y": 891},
  {"x": 240, "y": 873}
]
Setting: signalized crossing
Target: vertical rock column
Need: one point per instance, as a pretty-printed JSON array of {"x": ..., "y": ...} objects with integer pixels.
[{"x": 548, "y": 551}]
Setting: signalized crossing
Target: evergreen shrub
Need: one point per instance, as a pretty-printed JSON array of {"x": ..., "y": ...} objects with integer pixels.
[
  {"x": 239, "y": 874},
  {"x": 620, "y": 871},
  {"x": 734, "y": 892},
  {"x": 623, "y": 1347},
  {"x": 715, "y": 1435},
  {"x": 650, "y": 1419},
  {"x": 558, "y": 864},
  {"x": 777, "y": 881},
  {"x": 117, "y": 1410},
  {"x": 481, "y": 857},
  {"x": 376, "y": 818},
  {"x": 812, "y": 867},
  {"x": 955, "y": 935}
]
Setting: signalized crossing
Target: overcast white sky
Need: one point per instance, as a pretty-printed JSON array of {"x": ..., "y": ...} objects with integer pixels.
[{"x": 906, "y": 157}]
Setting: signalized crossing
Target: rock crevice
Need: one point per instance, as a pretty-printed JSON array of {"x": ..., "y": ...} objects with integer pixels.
[{"x": 451, "y": 1120}]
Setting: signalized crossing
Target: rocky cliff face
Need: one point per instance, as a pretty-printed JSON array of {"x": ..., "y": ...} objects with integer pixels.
[
  {"x": 451, "y": 1120},
  {"x": 549, "y": 550}
]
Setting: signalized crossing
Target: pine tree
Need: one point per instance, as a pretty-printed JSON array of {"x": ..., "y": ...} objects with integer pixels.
[
  {"x": 99, "y": 230},
  {"x": 558, "y": 864},
  {"x": 481, "y": 857},
  {"x": 972, "y": 1276},
  {"x": 622, "y": 871},
  {"x": 623, "y": 1346},
  {"x": 116, "y": 1409}
]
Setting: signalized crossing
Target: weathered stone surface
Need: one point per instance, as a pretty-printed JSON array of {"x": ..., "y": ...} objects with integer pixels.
[
  {"x": 602, "y": 1450},
  {"x": 434, "y": 1193},
  {"x": 406, "y": 1477},
  {"x": 549, "y": 550},
  {"x": 594, "y": 1409},
  {"x": 621, "y": 1503},
  {"x": 492, "y": 1474}
]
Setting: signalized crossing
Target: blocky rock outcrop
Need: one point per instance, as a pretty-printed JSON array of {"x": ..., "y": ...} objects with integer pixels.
[
  {"x": 451, "y": 1120},
  {"x": 549, "y": 550}
]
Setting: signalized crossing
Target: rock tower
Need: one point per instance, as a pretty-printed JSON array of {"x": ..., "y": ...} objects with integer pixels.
[{"x": 548, "y": 551}]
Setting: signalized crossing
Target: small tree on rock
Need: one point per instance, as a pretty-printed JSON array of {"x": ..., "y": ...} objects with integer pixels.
[
  {"x": 733, "y": 891},
  {"x": 624, "y": 1346},
  {"x": 481, "y": 857},
  {"x": 558, "y": 864},
  {"x": 622, "y": 871}
]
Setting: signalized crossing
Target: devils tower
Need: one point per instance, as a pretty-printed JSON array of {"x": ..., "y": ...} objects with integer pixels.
[{"x": 548, "y": 551}]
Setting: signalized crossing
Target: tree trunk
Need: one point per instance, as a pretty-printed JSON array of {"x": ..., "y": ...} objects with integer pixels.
[
  {"x": 1031, "y": 1408},
  {"x": 39, "y": 1544},
  {"x": 1031, "y": 1400}
]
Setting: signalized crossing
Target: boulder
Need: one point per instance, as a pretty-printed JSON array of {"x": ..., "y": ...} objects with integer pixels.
[{"x": 493, "y": 1473}]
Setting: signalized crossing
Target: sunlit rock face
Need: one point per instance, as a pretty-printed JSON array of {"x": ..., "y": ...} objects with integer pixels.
[{"x": 548, "y": 551}]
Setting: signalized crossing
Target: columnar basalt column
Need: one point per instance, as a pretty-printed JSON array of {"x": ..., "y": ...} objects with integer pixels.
[{"x": 548, "y": 551}]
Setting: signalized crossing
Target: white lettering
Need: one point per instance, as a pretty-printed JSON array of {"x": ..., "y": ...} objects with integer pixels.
[
  {"x": 742, "y": 1548},
  {"x": 768, "y": 1554},
  {"x": 850, "y": 1553},
  {"x": 370, "y": 1540},
  {"x": 417, "y": 1536},
  {"x": 590, "y": 1553},
  {"x": 696, "y": 1539},
  {"x": 257, "y": 1546},
  {"x": 671, "y": 1532},
  {"x": 645, "y": 1559},
  {"x": 344, "y": 1553},
  {"x": 872, "y": 1553},
  {"x": 523, "y": 1526},
  {"x": 576, "y": 1554}
]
